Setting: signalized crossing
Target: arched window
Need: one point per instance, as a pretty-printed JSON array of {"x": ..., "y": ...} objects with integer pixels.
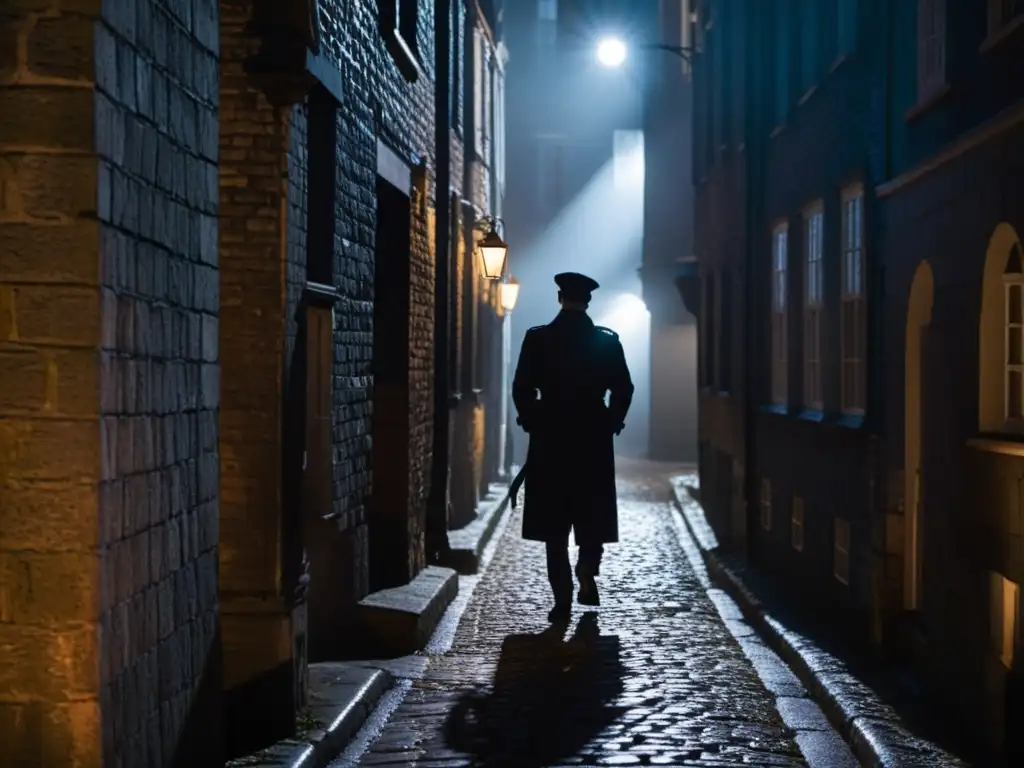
[
  {"x": 1013, "y": 358},
  {"x": 1001, "y": 336}
]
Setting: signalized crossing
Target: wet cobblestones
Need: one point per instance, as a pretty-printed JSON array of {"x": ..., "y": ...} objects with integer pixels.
[{"x": 654, "y": 677}]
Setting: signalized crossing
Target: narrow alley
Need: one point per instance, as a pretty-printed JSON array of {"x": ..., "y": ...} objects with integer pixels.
[{"x": 654, "y": 677}]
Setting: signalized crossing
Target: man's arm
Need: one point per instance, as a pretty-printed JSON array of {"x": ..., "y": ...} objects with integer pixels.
[
  {"x": 525, "y": 383},
  {"x": 620, "y": 386}
]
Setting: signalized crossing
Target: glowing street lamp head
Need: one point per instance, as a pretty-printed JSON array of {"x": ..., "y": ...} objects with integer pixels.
[{"x": 611, "y": 52}]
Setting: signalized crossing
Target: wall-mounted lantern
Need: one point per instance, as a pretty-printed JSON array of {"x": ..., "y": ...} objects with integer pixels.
[
  {"x": 493, "y": 250},
  {"x": 508, "y": 294}
]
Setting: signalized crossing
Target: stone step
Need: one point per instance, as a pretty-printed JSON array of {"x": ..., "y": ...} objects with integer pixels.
[
  {"x": 341, "y": 697},
  {"x": 468, "y": 543},
  {"x": 401, "y": 620}
]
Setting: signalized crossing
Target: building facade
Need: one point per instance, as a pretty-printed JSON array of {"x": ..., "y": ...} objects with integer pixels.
[
  {"x": 858, "y": 367},
  {"x": 226, "y": 352}
]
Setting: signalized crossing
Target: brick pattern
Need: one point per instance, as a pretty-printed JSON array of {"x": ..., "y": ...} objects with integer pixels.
[
  {"x": 108, "y": 169},
  {"x": 156, "y": 117}
]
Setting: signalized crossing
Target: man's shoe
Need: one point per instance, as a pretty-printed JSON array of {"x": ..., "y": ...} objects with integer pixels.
[
  {"x": 562, "y": 612},
  {"x": 588, "y": 594}
]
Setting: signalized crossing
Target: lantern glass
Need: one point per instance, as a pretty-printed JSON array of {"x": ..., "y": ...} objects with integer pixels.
[
  {"x": 509, "y": 293},
  {"x": 493, "y": 250}
]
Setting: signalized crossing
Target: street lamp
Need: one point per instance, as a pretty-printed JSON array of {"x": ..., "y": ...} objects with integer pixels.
[
  {"x": 508, "y": 293},
  {"x": 493, "y": 250},
  {"x": 612, "y": 51}
]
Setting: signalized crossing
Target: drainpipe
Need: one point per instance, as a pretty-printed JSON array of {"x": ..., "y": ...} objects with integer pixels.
[
  {"x": 437, "y": 502},
  {"x": 754, "y": 140}
]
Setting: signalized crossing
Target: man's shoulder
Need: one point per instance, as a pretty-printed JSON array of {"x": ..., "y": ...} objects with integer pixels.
[{"x": 606, "y": 332}]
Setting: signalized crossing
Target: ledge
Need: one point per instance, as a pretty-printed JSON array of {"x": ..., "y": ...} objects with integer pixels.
[
  {"x": 401, "y": 620},
  {"x": 468, "y": 543},
  {"x": 402, "y": 53},
  {"x": 1004, "y": 32},
  {"x": 990, "y": 445},
  {"x": 341, "y": 698},
  {"x": 925, "y": 104},
  {"x": 320, "y": 295}
]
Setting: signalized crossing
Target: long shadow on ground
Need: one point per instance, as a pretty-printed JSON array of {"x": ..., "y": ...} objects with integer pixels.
[{"x": 550, "y": 698}]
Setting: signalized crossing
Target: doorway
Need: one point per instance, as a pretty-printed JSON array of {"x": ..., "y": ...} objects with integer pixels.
[
  {"x": 389, "y": 502},
  {"x": 919, "y": 317}
]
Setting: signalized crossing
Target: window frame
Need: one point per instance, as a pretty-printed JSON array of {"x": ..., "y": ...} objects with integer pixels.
[
  {"x": 1004, "y": 636},
  {"x": 399, "y": 25},
  {"x": 796, "y": 524},
  {"x": 853, "y": 298},
  {"x": 1013, "y": 281},
  {"x": 779, "y": 310},
  {"x": 814, "y": 304},
  {"x": 931, "y": 81}
]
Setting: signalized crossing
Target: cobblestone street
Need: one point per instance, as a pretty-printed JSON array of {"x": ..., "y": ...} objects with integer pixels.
[{"x": 654, "y": 677}]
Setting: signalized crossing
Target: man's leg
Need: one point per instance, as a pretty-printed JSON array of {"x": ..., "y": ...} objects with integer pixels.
[
  {"x": 588, "y": 565},
  {"x": 560, "y": 574}
]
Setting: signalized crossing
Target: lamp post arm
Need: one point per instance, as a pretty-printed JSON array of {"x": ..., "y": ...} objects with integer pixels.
[{"x": 683, "y": 52}]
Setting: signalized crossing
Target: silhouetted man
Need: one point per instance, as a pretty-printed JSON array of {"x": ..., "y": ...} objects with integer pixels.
[{"x": 565, "y": 370}]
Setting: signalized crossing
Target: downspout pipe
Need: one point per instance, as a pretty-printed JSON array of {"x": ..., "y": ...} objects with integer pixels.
[{"x": 437, "y": 502}]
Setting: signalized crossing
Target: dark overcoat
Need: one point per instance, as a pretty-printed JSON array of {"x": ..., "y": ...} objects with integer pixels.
[{"x": 565, "y": 370}]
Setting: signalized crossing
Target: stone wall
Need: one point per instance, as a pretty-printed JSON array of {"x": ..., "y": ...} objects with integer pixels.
[{"x": 108, "y": 515}]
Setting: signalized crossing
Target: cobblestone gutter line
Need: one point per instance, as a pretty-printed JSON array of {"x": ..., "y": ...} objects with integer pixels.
[{"x": 873, "y": 729}]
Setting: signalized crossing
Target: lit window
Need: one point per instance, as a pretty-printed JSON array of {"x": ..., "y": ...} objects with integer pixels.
[
  {"x": 841, "y": 553},
  {"x": 796, "y": 524},
  {"x": 766, "y": 503},
  {"x": 854, "y": 312},
  {"x": 1013, "y": 359},
  {"x": 1004, "y": 613},
  {"x": 931, "y": 47},
  {"x": 479, "y": 114},
  {"x": 780, "y": 343},
  {"x": 814, "y": 220}
]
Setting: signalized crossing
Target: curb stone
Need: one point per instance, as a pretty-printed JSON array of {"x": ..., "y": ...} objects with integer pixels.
[
  {"x": 468, "y": 543},
  {"x": 342, "y": 696},
  {"x": 873, "y": 729}
]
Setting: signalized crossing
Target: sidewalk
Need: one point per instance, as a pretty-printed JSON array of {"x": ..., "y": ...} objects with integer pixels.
[
  {"x": 398, "y": 622},
  {"x": 876, "y": 733}
]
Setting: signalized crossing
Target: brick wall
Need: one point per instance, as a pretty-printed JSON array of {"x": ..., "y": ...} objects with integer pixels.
[{"x": 108, "y": 603}]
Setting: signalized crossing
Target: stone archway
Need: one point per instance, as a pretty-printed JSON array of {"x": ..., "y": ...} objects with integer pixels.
[
  {"x": 991, "y": 397},
  {"x": 919, "y": 317}
]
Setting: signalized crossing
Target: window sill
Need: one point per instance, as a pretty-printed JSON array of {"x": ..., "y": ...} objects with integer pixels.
[
  {"x": 807, "y": 95},
  {"x": 840, "y": 60},
  {"x": 405, "y": 58},
  {"x": 933, "y": 97},
  {"x": 995, "y": 39},
  {"x": 777, "y": 130},
  {"x": 851, "y": 420},
  {"x": 811, "y": 414},
  {"x": 776, "y": 408},
  {"x": 1005, "y": 447}
]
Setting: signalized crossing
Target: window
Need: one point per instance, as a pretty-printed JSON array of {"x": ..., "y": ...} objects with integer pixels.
[
  {"x": 782, "y": 22},
  {"x": 841, "y": 551},
  {"x": 499, "y": 139},
  {"x": 813, "y": 300},
  {"x": 687, "y": 21},
  {"x": 1004, "y": 612},
  {"x": 796, "y": 524},
  {"x": 1002, "y": 12},
  {"x": 766, "y": 503},
  {"x": 854, "y": 313},
  {"x": 547, "y": 25},
  {"x": 1013, "y": 360},
  {"x": 931, "y": 47},
  {"x": 846, "y": 27},
  {"x": 399, "y": 23},
  {"x": 780, "y": 342},
  {"x": 321, "y": 185},
  {"x": 479, "y": 115},
  {"x": 547, "y": 10},
  {"x": 810, "y": 44}
]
